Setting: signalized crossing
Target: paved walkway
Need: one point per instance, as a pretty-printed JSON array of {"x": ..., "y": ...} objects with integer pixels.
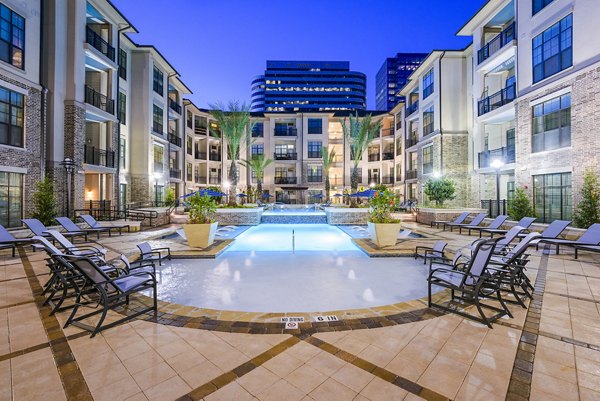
[{"x": 549, "y": 352}]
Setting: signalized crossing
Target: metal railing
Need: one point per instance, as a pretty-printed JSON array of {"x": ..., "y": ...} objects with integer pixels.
[
  {"x": 285, "y": 156},
  {"x": 387, "y": 155},
  {"x": 496, "y": 100},
  {"x": 94, "y": 39},
  {"x": 98, "y": 157},
  {"x": 491, "y": 205},
  {"x": 214, "y": 180},
  {"x": 214, "y": 156},
  {"x": 286, "y": 180},
  {"x": 411, "y": 108},
  {"x": 496, "y": 43},
  {"x": 200, "y": 155},
  {"x": 387, "y": 180},
  {"x": 505, "y": 154},
  {"x": 411, "y": 141},
  {"x": 200, "y": 130},
  {"x": 286, "y": 131},
  {"x": 174, "y": 139},
  {"x": 175, "y": 173},
  {"x": 314, "y": 178},
  {"x": 173, "y": 105},
  {"x": 374, "y": 157},
  {"x": 99, "y": 100},
  {"x": 387, "y": 132},
  {"x": 411, "y": 174}
]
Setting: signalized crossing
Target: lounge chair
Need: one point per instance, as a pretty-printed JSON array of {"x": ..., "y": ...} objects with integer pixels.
[
  {"x": 590, "y": 238},
  {"x": 93, "y": 223},
  {"x": 8, "y": 241},
  {"x": 460, "y": 219},
  {"x": 71, "y": 227},
  {"x": 553, "y": 230},
  {"x": 40, "y": 230},
  {"x": 457, "y": 259},
  {"x": 496, "y": 223},
  {"x": 475, "y": 222},
  {"x": 110, "y": 293},
  {"x": 154, "y": 254},
  {"x": 431, "y": 252},
  {"x": 525, "y": 222},
  {"x": 471, "y": 284},
  {"x": 503, "y": 245},
  {"x": 97, "y": 253}
]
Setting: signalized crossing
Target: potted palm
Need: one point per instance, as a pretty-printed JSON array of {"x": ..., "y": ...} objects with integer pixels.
[
  {"x": 383, "y": 228},
  {"x": 202, "y": 226}
]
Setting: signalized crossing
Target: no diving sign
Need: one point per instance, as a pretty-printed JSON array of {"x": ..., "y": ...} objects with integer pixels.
[{"x": 291, "y": 322}]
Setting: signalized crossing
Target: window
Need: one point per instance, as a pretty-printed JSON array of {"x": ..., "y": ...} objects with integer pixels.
[
  {"x": 428, "y": 121},
  {"x": 159, "y": 191},
  {"x": 552, "y": 196},
  {"x": 159, "y": 152},
  {"x": 428, "y": 160},
  {"x": 11, "y": 118},
  {"x": 123, "y": 64},
  {"x": 122, "y": 196},
  {"x": 122, "y": 107},
  {"x": 399, "y": 146},
  {"x": 428, "y": 84},
  {"x": 11, "y": 199},
  {"x": 157, "y": 81},
  {"x": 157, "y": 119},
  {"x": 553, "y": 49},
  {"x": 538, "y": 5},
  {"x": 123, "y": 153},
  {"x": 190, "y": 120},
  {"x": 189, "y": 145},
  {"x": 552, "y": 124},
  {"x": 12, "y": 37},
  {"x": 188, "y": 172},
  {"x": 315, "y": 126},
  {"x": 314, "y": 173},
  {"x": 258, "y": 130},
  {"x": 258, "y": 149},
  {"x": 315, "y": 149}
]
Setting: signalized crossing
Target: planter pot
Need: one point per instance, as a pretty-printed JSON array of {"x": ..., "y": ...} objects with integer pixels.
[
  {"x": 200, "y": 235},
  {"x": 384, "y": 234}
]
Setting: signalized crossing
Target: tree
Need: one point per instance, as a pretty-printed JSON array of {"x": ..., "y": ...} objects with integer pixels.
[
  {"x": 358, "y": 133},
  {"x": 258, "y": 163},
  {"x": 588, "y": 209},
  {"x": 170, "y": 197},
  {"x": 234, "y": 123},
  {"x": 520, "y": 206},
  {"x": 45, "y": 202},
  {"x": 440, "y": 190},
  {"x": 328, "y": 160}
]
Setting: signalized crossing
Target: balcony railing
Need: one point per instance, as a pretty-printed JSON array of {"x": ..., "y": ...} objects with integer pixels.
[
  {"x": 496, "y": 100},
  {"x": 199, "y": 180},
  {"x": 411, "y": 174},
  {"x": 215, "y": 157},
  {"x": 174, "y": 139},
  {"x": 92, "y": 38},
  {"x": 285, "y": 156},
  {"x": 411, "y": 141},
  {"x": 200, "y": 155},
  {"x": 286, "y": 131},
  {"x": 98, "y": 157},
  {"x": 214, "y": 180},
  {"x": 175, "y": 173},
  {"x": 387, "y": 180},
  {"x": 387, "y": 155},
  {"x": 505, "y": 154},
  {"x": 411, "y": 108},
  {"x": 387, "y": 132},
  {"x": 286, "y": 180},
  {"x": 99, "y": 100},
  {"x": 200, "y": 130},
  {"x": 374, "y": 157},
  {"x": 497, "y": 43},
  {"x": 315, "y": 154},
  {"x": 314, "y": 179},
  {"x": 173, "y": 105}
]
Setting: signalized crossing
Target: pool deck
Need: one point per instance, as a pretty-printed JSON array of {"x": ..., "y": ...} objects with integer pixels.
[{"x": 550, "y": 351}]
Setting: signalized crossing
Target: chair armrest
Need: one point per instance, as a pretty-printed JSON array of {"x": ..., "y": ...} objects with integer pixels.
[{"x": 422, "y": 247}]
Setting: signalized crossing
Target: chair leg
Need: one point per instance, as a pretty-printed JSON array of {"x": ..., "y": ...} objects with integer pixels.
[
  {"x": 99, "y": 325},
  {"x": 576, "y": 255}
]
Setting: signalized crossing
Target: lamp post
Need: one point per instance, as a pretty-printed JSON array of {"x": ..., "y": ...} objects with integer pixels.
[
  {"x": 156, "y": 177},
  {"x": 69, "y": 165},
  {"x": 497, "y": 164}
]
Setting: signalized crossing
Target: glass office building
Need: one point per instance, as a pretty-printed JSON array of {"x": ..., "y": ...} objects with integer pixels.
[
  {"x": 309, "y": 86},
  {"x": 392, "y": 77}
]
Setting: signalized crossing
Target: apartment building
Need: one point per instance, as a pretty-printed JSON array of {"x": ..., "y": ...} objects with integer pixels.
[
  {"x": 437, "y": 123},
  {"x": 536, "y": 68}
]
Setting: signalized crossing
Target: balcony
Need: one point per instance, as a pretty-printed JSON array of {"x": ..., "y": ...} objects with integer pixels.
[
  {"x": 411, "y": 141},
  {"x": 200, "y": 155},
  {"x": 175, "y": 173},
  {"x": 173, "y": 105},
  {"x": 315, "y": 154},
  {"x": 411, "y": 174},
  {"x": 387, "y": 180},
  {"x": 99, "y": 100},
  {"x": 387, "y": 132},
  {"x": 200, "y": 130},
  {"x": 496, "y": 100},
  {"x": 374, "y": 157},
  {"x": 215, "y": 156},
  {"x": 214, "y": 180},
  {"x": 286, "y": 180},
  {"x": 497, "y": 43},
  {"x": 411, "y": 108},
  {"x": 96, "y": 41},
  {"x": 174, "y": 139},
  {"x": 285, "y": 156},
  {"x": 286, "y": 131},
  {"x": 98, "y": 157},
  {"x": 387, "y": 155},
  {"x": 506, "y": 154}
]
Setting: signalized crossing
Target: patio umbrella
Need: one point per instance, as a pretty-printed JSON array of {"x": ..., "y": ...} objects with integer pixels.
[
  {"x": 267, "y": 196},
  {"x": 338, "y": 195},
  {"x": 319, "y": 196},
  {"x": 369, "y": 193},
  {"x": 204, "y": 192},
  {"x": 242, "y": 195}
]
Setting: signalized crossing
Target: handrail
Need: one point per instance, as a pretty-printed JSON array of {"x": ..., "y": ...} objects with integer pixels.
[
  {"x": 94, "y": 39},
  {"x": 496, "y": 43}
]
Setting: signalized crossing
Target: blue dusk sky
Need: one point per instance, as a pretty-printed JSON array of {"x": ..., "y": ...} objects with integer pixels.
[{"x": 218, "y": 46}]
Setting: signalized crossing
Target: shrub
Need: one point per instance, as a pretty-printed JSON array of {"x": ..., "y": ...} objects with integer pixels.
[
  {"x": 202, "y": 209},
  {"x": 520, "y": 206},
  {"x": 588, "y": 209},
  {"x": 440, "y": 190},
  {"x": 381, "y": 207},
  {"x": 45, "y": 202},
  {"x": 170, "y": 197}
]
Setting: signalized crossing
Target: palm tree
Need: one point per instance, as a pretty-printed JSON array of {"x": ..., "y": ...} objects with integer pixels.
[
  {"x": 234, "y": 122},
  {"x": 328, "y": 160},
  {"x": 358, "y": 134},
  {"x": 257, "y": 163}
]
